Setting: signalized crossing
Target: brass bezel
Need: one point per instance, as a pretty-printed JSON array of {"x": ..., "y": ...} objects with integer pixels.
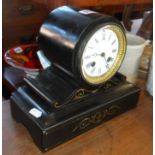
[{"x": 120, "y": 56}]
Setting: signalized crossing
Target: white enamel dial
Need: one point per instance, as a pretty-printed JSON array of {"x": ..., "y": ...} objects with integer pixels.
[{"x": 101, "y": 53}]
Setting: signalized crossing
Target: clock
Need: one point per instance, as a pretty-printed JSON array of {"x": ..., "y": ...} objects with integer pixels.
[
  {"x": 86, "y": 45},
  {"x": 80, "y": 87}
]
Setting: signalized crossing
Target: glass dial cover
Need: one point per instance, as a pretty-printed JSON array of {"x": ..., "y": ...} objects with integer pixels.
[{"x": 103, "y": 54}]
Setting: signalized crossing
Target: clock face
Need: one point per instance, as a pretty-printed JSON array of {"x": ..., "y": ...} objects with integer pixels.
[{"x": 103, "y": 54}]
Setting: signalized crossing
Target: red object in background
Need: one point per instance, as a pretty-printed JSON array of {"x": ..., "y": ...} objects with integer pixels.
[{"x": 23, "y": 57}]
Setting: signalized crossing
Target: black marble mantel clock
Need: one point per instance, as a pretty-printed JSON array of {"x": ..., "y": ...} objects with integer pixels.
[{"x": 82, "y": 88}]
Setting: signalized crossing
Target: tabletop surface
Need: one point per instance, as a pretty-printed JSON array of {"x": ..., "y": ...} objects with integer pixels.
[{"x": 127, "y": 134}]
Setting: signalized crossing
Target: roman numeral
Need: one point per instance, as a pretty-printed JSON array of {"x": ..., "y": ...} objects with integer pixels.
[
  {"x": 107, "y": 66},
  {"x": 114, "y": 50},
  {"x": 103, "y": 37},
  {"x": 87, "y": 57},
  {"x": 96, "y": 41},
  {"x": 113, "y": 42},
  {"x": 109, "y": 37},
  {"x": 99, "y": 70},
  {"x": 92, "y": 70}
]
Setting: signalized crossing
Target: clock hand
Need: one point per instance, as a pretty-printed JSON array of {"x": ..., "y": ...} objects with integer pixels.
[
  {"x": 96, "y": 54},
  {"x": 92, "y": 55},
  {"x": 103, "y": 55}
]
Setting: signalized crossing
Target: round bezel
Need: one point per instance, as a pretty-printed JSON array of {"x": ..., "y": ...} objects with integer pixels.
[{"x": 119, "y": 58}]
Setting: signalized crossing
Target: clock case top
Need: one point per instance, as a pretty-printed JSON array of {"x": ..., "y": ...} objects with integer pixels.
[{"x": 65, "y": 32}]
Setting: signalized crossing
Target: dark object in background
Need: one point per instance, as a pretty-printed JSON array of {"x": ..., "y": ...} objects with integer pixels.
[
  {"x": 26, "y": 9},
  {"x": 27, "y": 39},
  {"x": 126, "y": 16},
  {"x": 146, "y": 29},
  {"x": 12, "y": 78}
]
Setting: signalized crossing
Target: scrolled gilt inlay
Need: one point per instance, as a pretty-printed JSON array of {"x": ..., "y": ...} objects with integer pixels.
[{"x": 96, "y": 118}]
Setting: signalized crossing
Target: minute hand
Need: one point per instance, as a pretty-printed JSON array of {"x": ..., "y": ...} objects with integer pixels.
[
  {"x": 103, "y": 55},
  {"x": 93, "y": 55}
]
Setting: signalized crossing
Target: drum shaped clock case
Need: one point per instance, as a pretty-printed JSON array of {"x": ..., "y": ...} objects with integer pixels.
[
  {"x": 68, "y": 35},
  {"x": 65, "y": 99}
]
